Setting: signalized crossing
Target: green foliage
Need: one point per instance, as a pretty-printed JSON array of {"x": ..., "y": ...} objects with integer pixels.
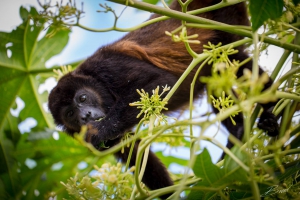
[
  {"x": 214, "y": 177},
  {"x": 109, "y": 183},
  {"x": 23, "y": 54},
  {"x": 261, "y": 10},
  {"x": 33, "y": 164},
  {"x": 49, "y": 162},
  {"x": 22, "y": 57}
]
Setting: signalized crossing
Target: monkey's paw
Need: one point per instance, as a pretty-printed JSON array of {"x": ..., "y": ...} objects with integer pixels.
[
  {"x": 92, "y": 136},
  {"x": 91, "y": 131},
  {"x": 268, "y": 123}
]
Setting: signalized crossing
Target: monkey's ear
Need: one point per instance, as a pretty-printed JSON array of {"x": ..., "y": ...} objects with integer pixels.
[{"x": 268, "y": 122}]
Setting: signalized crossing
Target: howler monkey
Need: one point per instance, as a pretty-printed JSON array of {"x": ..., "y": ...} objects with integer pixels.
[{"x": 105, "y": 84}]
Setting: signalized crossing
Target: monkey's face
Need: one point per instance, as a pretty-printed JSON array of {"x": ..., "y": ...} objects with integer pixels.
[
  {"x": 84, "y": 108},
  {"x": 76, "y": 101}
]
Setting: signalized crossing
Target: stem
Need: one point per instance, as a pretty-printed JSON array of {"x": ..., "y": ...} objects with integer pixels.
[
  {"x": 253, "y": 183},
  {"x": 287, "y": 96},
  {"x": 192, "y": 99},
  {"x": 139, "y": 172},
  {"x": 170, "y": 189},
  {"x": 278, "y": 108},
  {"x": 280, "y": 63},
  {"x": 247, "y": 121},
  {"x": 132, "y": 145},
  {"x": 164, "y": 4},
  {"x": 286, "y": 76},
  {"x": 286, "y": 120},
  {"x": 255, "y": 57},
  {"x": 282, "y": 153},
  {"x": 193, "y": 64},
  {"x": 146, "y": 153}
]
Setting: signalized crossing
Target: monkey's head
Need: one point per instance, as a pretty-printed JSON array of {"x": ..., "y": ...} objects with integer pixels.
[{"x": 75, "y": 101}]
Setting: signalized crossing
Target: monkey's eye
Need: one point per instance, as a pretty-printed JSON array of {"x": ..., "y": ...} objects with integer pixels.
[
  {"x": 70, "y": 113},
  {"x": 82, "y": 98}
]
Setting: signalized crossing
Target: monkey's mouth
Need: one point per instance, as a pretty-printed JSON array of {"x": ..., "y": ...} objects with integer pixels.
[{"x": 99, "y": 119}]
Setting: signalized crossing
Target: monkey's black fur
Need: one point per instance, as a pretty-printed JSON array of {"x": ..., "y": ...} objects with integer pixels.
[{"x": 143, "y": 59}]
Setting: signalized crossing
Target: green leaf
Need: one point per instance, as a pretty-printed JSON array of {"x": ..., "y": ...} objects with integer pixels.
[
  {"x": 210, "y": 174},
  {"x": 46, "y": 152},
  {"x": 8, "y": 168},
  {"x": 22, "y": 63},
  {"x": 23, "y": 13},
  {"x": 261, "y": 10},
  {"x": 23, "y": 53},
  {"x": 233, "y": 171},
  {"x": 205, "y": 169},
  {"x": 213, "y": 176}
]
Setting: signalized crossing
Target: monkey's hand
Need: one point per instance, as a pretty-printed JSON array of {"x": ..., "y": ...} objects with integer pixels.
[
  {"x": 91, "y": 132},
  {"x": 268, "y": 123},
  {"x": 100, "y": 133}
]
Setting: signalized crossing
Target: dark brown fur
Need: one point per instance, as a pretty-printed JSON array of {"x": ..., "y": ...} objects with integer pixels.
[{"x": 144, "y": 59}]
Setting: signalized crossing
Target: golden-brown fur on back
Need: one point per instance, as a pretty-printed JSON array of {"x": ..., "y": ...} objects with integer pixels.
[{"x": 151, "y": 44}]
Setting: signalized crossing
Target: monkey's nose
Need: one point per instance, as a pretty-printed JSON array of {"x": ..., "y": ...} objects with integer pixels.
[{"x": 86, "y": 117}]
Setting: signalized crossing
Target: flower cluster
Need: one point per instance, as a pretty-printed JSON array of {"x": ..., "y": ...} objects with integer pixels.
[
  {"x": 61, "y": 72},
  {"x": 224, "y": 70},
  {"x": 219, "y": 57},
  {"x": 182, "y": 37},
  {"x": 151, "y": 105},
  {"x": 60, "y": 16},
  {"x": 109, "y": 183},
  {"x": 222, "y": 103}
]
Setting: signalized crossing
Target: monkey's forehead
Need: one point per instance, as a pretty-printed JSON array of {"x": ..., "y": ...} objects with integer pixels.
[{"x": 65, "y": 90}]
